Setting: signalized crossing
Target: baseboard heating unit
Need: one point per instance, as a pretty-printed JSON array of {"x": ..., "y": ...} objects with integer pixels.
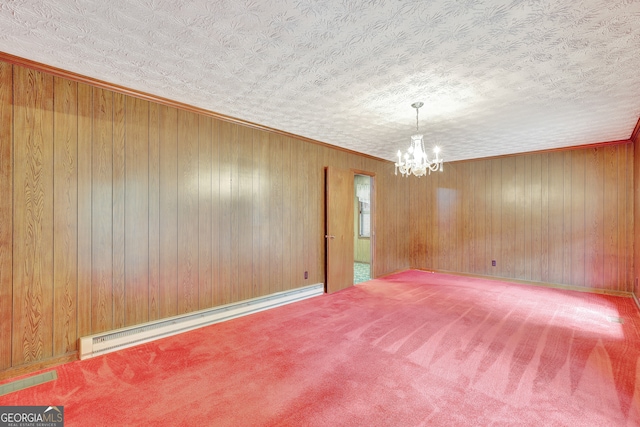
[{"x": 99, "y": 344}]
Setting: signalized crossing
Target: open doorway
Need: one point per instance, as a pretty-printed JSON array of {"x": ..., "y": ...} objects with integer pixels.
[{"x": 362, "y": 228}]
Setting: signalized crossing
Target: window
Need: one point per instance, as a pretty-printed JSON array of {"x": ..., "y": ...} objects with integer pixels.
[{"x": 364, "y": 219}]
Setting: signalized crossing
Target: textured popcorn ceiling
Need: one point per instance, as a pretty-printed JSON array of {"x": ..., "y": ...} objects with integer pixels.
[{"x": 496, "y": 77}]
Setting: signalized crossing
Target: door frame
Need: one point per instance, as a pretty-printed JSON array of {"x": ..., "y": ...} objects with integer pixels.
[
  {"x": 372, "y": 208},
  {"x": 372, "y": 240}
]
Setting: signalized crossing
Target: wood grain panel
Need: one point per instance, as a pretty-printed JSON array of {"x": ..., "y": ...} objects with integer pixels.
[
  {"x": 578, "y": 215},
  {"x": 287, "y": 259},
  {"x": 480, "y": 257},
  {"x": 234, "y": 221},
  {"x": 520, "y": 213},
  {"x": 137, "y": 212},
  {"x": 536, "y": 217},
  {"x": 154, "y": 211},
  {"x": 466, "y": 212},
  {"x": 297, "y": 212},
  {"x": 85, "y": 189},
  {"x": 528, "y": 207},
  {"x": 544, "y": 218},
  {"x": 168, "y": 283},
  {"x": 33, "y": 217},
  {"x": 594, "y": 225},
  {"x": 261, "y": 214},
  {"x": 488, "y": 219},
  {"x": 65, "y": 216},
  {"x": 496, "y": 215},
  {"x": 245, "y": 213},
  {"x": 224, "y": 146},
  {"x": 216, "y": 285},
  {"x": 187, "y": 212},
  {"x": 610, "y": 218},
  {"x": 630, "y": 231},
  {"x": 556, "y": 217},
  {"x": 508, "y": 217},
  {"x": 102, "y": 213},
  {"x": 119, "y": 191},
  {"x": 257, "y": 195},
  {"x": 276, "y": 232},
  {"x": 6, "y": 213},
  {"x": 205, "y": 290},
  {"x": 567, "y": 229}
]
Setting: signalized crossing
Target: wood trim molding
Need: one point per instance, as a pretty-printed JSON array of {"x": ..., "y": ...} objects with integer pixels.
[{"x": 69, "y": 75}]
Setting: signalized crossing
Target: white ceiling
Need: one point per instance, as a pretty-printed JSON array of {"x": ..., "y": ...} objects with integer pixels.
[{"x": 496, "y": 77}]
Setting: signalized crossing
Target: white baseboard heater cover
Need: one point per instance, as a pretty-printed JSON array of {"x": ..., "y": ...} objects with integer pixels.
[{"x": 110, "y": 341}]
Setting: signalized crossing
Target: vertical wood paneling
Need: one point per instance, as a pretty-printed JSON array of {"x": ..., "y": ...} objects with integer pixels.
[
  {"x": 264, "y": 220},
  {"x": 65, "y": 216},
  {"x": 481, "y": 260},
  {"x": 594, "y": 225},
  {"x": 508, "y": 217},
  {"x": 287, "y": 264},
  {"x": 245, "y": 212},
  {"x": 102, "y": 213},
  {"x": 224, "y": 291},
  {"x": 520, "y": 214},
  {"x": 205, "y": 289},
  {"x": 631, "y": 231},
  {"x": 6, "y": 213},
  {"x": 488, "y": 219},
  {"x": 216, "y": 285},
  {"x": 154, "y": 211},
  {"x": 610, "y": 219},
  {"x": 168, "y": 283},
  {"x": 561, "y": 217},
  {"x": 556, "y": 217},
  {"x": 257, "y": 195},
  {"x": 276, "y": 232},
  {"x": 234, "y": 220},
  {"x": 119, "y": 194},
  {"x": 137, "y": 212},
  {"x": 544, "y": 211},
  {"x": 536, "y": 217},
  {"x": 85, "y": 189},
  {"x": 32, "y": 216},
  {"x": 567, "y": 229},
  {"x": 496, "y": 215},
  {"x": 297, "y": 215},
  {"x": 578, "y": 214},
  {"x": 187, "y": 212},
  {"x": 528, "y": 208}
]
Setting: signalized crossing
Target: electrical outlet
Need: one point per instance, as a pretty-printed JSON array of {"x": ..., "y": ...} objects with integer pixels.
[{"x": 493, "y": 263}]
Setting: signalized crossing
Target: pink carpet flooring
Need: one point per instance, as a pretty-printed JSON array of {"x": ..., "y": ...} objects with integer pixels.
[{"x": 412, "y": 349}]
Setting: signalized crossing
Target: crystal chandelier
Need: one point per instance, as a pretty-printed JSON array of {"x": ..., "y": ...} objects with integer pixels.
[{"x": 416, "y": 161}]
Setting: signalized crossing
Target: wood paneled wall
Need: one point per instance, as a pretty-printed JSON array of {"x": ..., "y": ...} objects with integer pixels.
[
  {"x": 563, "y": 217},
  {"x": 117, "y": 211}
]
